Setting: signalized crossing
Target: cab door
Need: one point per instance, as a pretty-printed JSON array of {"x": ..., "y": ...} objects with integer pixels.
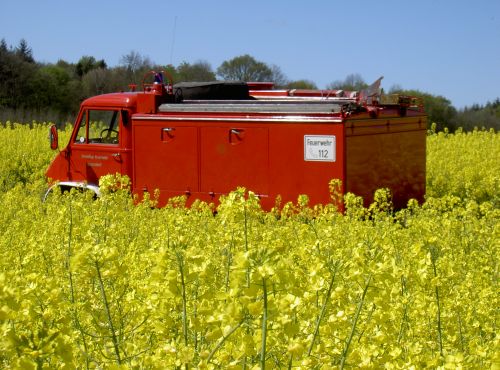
[{"x": 95, "y": 145}]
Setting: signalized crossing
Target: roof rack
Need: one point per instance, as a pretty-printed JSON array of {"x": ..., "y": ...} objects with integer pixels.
[{"x": 256, "y": 106}]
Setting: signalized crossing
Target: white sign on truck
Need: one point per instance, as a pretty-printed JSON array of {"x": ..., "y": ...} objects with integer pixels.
[{"x": 319, "y": 148}]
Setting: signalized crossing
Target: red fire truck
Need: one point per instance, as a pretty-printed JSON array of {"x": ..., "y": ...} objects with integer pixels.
[{"x": 202, "y": 140}]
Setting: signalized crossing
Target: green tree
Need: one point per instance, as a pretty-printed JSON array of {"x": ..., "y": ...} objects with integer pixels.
[
  {"x": 87, "y": 64},
  {"x": 3, "y": 46},
  {"x": 245, "y": 68},
  {"x": 198, "y": 71},
  {"x": 487, "y": 116},
  {"x": 352, "y": 82},
  {"x": 55, "y": 89},
  {"x": 16, "y": 72},
  {"x": 278, "y": 77},
  {"x": 438, "y": 108},
  {"x": 135, "y": 66},
  {"x": 96, "y": 82},
  {"x": 301, "y": 84},
  {"x": 24, "y": 52}
]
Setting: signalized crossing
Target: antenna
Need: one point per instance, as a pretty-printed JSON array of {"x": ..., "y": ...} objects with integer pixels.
[{"x": 173, "y": 40}]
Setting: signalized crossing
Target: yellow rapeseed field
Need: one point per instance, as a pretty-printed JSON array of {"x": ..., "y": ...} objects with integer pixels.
[{"x": 106, "y": 284}]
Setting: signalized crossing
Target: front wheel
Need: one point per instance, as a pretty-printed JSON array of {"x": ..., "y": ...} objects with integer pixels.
[{"x": 62, "y": 188}]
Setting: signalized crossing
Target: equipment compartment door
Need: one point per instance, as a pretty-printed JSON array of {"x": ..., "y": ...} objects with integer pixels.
[
  {"x": 166, "y": 157},
  {"x": 233, "y": 157}
]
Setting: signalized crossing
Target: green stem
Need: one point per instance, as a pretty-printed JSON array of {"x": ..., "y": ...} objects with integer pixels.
[
  {"x": 354, "y": 324},
  {"x": 195, "y": 315},
  {"x": 246, "y": 226},
  {"x": 404, "y": 319},
  {"x": 69, "y": 254},
  {"x": 462, "y": 346},
  {"x": 264, "y": 327},
  {"x": 108, "y": 314},
  {"x": 438, "y": 302},
  {"x": 184, "y": 299},
  {"x": 323, "y": 311},
  {"x": 229, "y": 261},
  {"x": 72, "y": 285},
  {"x": 221, "y": 342},
  {"x": 246, "y": 240}
]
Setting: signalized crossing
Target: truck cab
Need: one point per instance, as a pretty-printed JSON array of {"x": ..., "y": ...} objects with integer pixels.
[{"x": 100, "y": 143}]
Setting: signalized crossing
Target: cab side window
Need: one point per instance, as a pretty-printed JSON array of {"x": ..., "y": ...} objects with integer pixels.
[{"x": 98, "y": 127}]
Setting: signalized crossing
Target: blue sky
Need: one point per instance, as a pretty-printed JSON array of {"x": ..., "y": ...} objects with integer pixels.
[{"x": 444, "y": 47}]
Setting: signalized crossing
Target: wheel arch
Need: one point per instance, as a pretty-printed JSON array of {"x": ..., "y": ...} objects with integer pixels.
[{"x": 68, "y": 185}]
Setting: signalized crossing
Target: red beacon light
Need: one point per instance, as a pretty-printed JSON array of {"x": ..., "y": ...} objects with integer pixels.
[{"x": 158, "y": 86}]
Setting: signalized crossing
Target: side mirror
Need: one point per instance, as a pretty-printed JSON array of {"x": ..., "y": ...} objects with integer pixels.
[{"x": 53, "y": 137}]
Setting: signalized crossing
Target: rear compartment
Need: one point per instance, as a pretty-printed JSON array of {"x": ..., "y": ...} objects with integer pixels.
[{"x": 278, "y": 148}]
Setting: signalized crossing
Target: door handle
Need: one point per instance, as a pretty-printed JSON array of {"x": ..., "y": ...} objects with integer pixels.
[
  {"x": 236, "y": 135},
  {"x": 167, "y": 134}
]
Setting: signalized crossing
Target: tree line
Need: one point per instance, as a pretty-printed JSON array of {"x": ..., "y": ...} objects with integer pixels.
[{"x": 31, "y": 90}]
